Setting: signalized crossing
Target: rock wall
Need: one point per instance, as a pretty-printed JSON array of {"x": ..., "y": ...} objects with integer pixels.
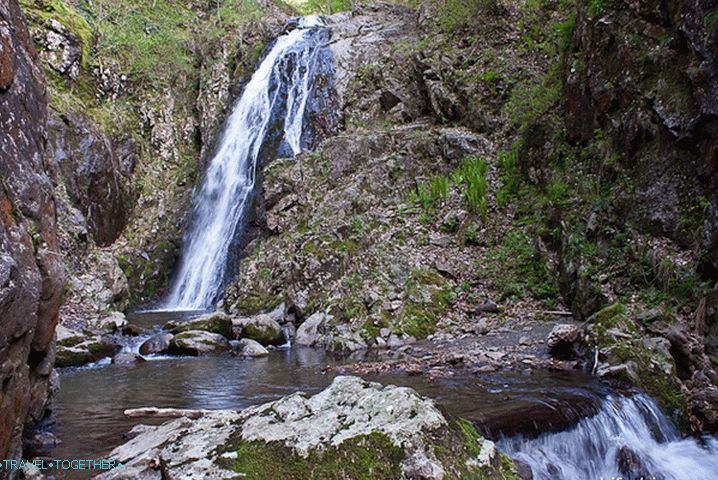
[
  {"x": 645, "y": 74},
  {"x": 31, "y": 273}
]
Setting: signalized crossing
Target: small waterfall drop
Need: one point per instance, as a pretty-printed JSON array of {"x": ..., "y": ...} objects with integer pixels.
[
  {"x": 269, "y": 115},
  {"x": 629, "y": 438}
]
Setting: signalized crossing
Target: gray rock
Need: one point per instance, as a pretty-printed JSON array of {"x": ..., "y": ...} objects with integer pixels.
[
  {"x": 197, "y": 342},
  {"x": 561, "y": 339},
  {"x": 249, "y": 348},
  {"x": 349, "y": 408},
  {"x": 308, "y": 332},
  {"x": 159, "y": 343},
  {"x": 127, "y": 358},
  {"x": 263, "y": 330},
  {"x": 113, "y": 322},
  {"x": 217, "y": 322}
]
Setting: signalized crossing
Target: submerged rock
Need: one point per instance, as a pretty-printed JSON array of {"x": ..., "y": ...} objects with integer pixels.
[
  {"x": 249, "y": 348},
  {"x": 353, "y": 429},
  {"x": 197, "y": 342}
]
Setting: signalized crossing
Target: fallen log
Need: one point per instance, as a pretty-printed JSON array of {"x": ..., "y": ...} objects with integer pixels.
[{"x": 166, "y": 412}]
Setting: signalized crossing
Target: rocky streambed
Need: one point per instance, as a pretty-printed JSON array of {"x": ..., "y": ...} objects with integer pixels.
[{"x": 253, "y": 421}]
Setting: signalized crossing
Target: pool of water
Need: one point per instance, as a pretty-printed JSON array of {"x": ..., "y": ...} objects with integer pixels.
[{"x": 88, "y": 409}]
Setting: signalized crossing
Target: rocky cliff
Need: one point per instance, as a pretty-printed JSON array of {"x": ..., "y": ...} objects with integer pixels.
[{"x": 31, "y": 272}]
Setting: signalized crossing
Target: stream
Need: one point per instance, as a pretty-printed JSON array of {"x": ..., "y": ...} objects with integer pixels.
[{"x": 534, "y": 418}]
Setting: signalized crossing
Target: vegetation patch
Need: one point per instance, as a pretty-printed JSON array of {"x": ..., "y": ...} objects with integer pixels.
[{"x": 372, "y": 456}]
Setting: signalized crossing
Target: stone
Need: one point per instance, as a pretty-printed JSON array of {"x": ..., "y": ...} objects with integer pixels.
[
  {"x": 249, "y": 348},
  {"x": 127, "y": 358},
  {"x": 561, "y": 339},
  {"x": 197, "y": 342},
  {"x": 349, "y": 410},
  {"x": 158, "y": 343},
  {"x": 482, "y": 327},
  {"x": 217, "y": 322},
  {"x": 420, "y": 467},
  {"x": 113, "y": 322},
  {"x": 308, "y": 332},
  {"x": 263, "y": 330},
  {"x": 32, "y": 275},
  {"x": 88, "y": 351}
]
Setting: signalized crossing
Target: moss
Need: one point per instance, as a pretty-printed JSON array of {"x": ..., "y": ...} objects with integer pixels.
[
  {"x": 428, "y": 296},
  {"x": 257, "y": 302},
  {"x": 371, "y": 456},
  {"x": 644, "y": 369},
  {"x": 71, "y": 358},
  {"x": 45, "y": 10},
  {"x": 221, "y": 325}
]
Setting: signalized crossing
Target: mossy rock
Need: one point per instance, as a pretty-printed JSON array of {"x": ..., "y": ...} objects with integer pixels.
[
  {"x": 218, "y": 323},
  {"x": 615, "y": 333},
  {"x": 264, "y": 330},
  {"x": 72, "y": 357},
  {"x": 197, "y": 342},
  {"x": 368, "y": 457}
]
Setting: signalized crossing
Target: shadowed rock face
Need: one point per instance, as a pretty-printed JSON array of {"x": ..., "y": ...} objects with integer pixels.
[
  {"x": 31, "y": 275},
  {"x": 96, "y": 172},
  {"x": 645, "y": 74}
]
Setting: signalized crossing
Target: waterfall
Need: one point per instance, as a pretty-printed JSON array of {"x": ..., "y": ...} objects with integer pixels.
[
  {"x": 629, "y": 438},
  {"x": 270, "y": 115}
]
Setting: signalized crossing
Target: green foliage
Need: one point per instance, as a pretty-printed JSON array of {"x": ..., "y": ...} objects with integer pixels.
[
  {"x": 597, "y": 7},
  {"x": 457, "y": 14},
  {"x": 711, "y": 19},
  {"x": 517, "y": 270},
  {"x": 45, "y": 10},
  {"x": 366, "y": 457},
  {"x": 472, "y": 175},
  {"x": 509, "y": 174},
  {"x": 438, "y": 189},
  {"x": 323, "y": 7}
]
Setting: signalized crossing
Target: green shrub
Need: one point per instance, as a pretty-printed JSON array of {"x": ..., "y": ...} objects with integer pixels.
[
  {"x": 438, "y": 189},
  {"x": 472, "y": 175},
  {"x": 456, "y": 14}
]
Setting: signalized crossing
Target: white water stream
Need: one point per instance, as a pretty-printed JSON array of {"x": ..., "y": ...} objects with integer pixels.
[{"x": 280, "y": 86}]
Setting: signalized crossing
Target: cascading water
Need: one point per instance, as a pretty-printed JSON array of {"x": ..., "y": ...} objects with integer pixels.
[
  {"x": 628, "y": 438},
  {"x": 270, "y": 115}
]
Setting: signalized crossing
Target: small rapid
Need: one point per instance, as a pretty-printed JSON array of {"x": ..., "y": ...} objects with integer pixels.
[
  {"x": 268, "y": 119},
  {"x": 628, "y": 438}
]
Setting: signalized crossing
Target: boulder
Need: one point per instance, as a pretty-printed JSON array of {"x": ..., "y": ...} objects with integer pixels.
[
  {"x": 353, "y": 429},
  {"x": 561, "y": 340},
  {"x": 113, "y": 322},
  {"x": 216, "y": 322},
  {"x": 158, "y": 343},
  {"x": 197, "y": 342},
  {"x": 308, "y": 332},
  {"x": 127, "y": 358},
  {"x": 87, "y": 351},
  {"x": 249, "y": 348},
  {"x": 263, "y": 330},
  {"x": 32, "y": 274}
]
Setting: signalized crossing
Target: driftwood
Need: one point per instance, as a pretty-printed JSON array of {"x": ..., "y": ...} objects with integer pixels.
[
  {"x": 165, "y": 412},
  {"x": 558, "y": 313}
]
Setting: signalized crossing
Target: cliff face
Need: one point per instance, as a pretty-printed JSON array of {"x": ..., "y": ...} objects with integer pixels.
[
  {"x": 31, "y": 275},
  {"x": 645, "y": 74}
]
